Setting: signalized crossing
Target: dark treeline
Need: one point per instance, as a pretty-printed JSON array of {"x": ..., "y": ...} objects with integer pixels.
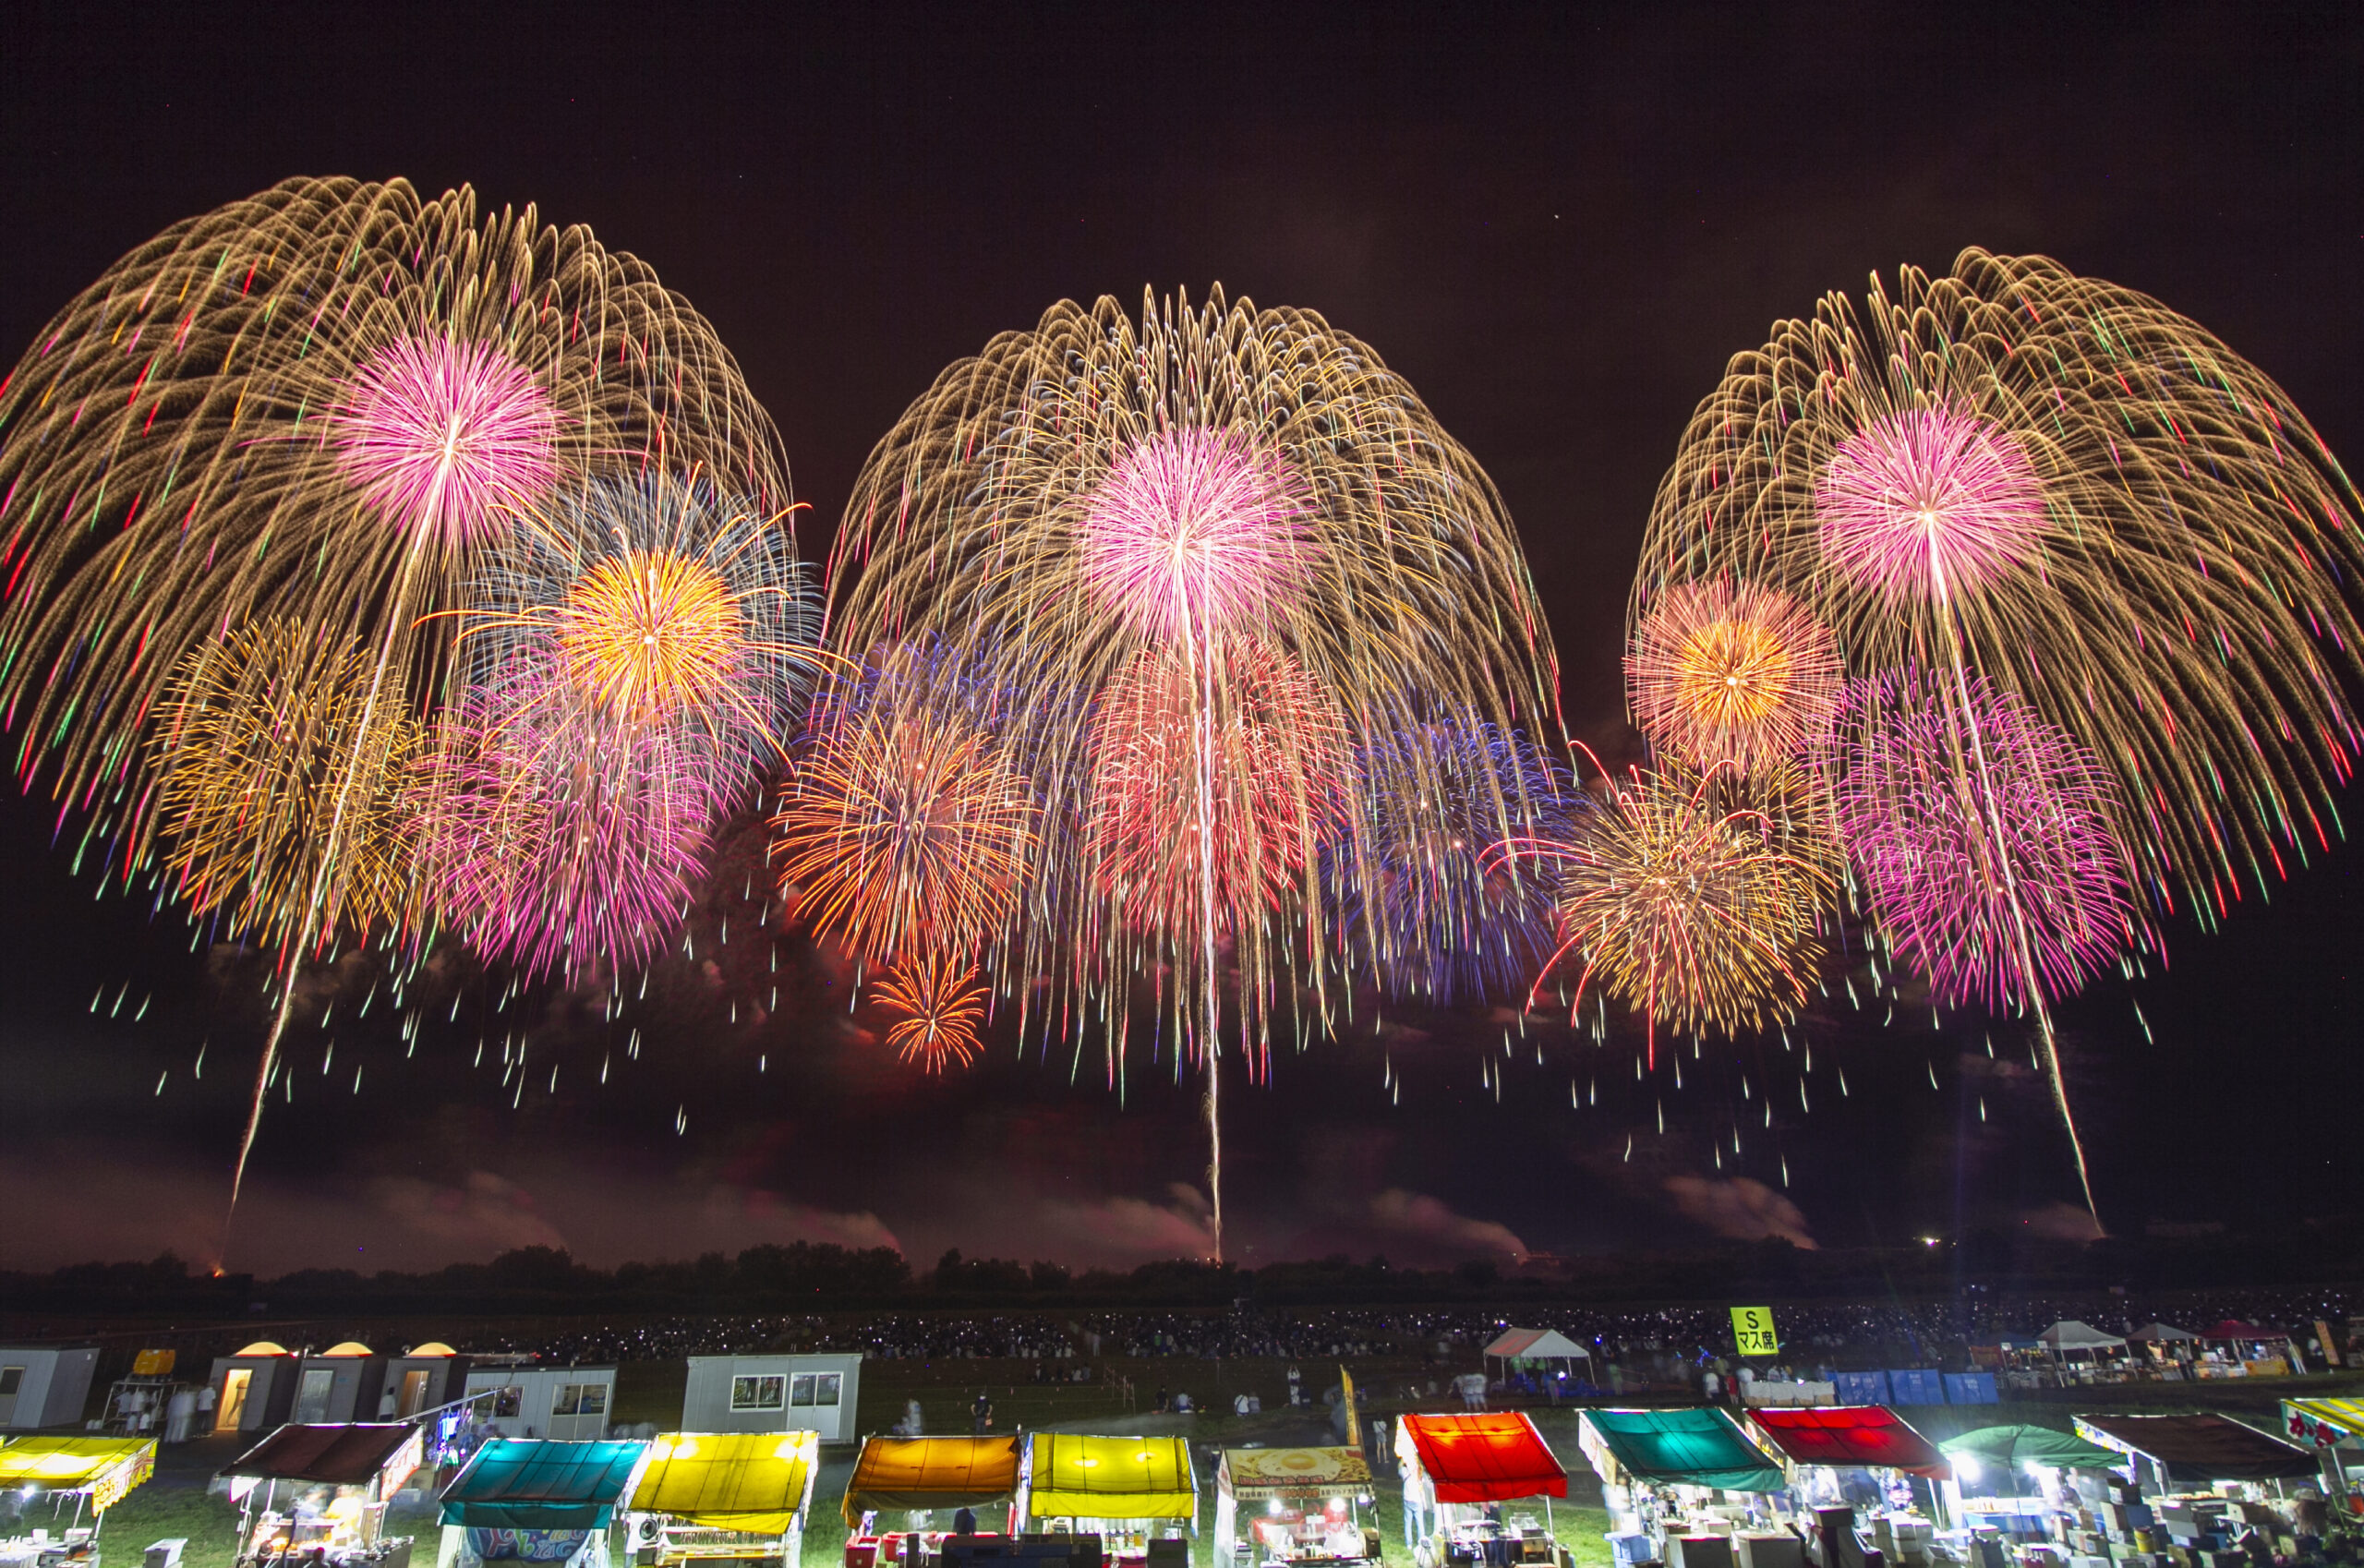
[{"x": 804, "y": 1276}]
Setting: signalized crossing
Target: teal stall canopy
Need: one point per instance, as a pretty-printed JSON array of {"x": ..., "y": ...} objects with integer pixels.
[
  {"x": 1693, "y": 1448},
  {"x": 538, "y": 1484}
]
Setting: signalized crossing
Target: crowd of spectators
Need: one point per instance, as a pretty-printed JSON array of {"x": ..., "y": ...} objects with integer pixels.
[{"x": 1651, "y": 1340}]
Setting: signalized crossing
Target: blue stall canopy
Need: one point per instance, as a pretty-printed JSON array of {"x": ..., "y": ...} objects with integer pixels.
[{"x": 541, "y": 1484}]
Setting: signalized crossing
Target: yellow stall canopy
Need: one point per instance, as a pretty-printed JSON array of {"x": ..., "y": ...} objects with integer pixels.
[
  {"x": 755, "y": 1482},
  {"x": 1261, "y": 1475},
  {"x": 104, "y": 1468},
  {"x": 1111, "y": 1477}
]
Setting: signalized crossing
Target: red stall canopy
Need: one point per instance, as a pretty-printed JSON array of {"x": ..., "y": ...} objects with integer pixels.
[
  {"x": 1869, "y": 1437},
  {"x": 1485, "y": 1457}
]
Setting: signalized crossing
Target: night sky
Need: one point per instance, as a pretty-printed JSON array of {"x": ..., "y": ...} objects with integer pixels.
[{"x": 1558, "y": 223}]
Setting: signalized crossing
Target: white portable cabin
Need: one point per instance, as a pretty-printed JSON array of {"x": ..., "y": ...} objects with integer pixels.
[
  {"x": 424, "y": 1378},
  {"x": 570, "y": 1403},
  {"x": 254, "y": 1390},
  {"x": 44, "y": 1385},
  {"x": 774, "y": 1393},
  {"x": 340, "y": 1384}
]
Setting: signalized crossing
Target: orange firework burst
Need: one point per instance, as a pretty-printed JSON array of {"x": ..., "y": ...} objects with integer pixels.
[
  {"x": 1740, "y": 673},
  {"x": 903, "y": 827},
  {"x": 939, "y": 1003},
  {"x": 650, "y": 633}
]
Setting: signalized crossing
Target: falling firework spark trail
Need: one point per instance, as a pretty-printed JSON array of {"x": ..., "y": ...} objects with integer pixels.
[
  {"x": 315, "y": 406},
  {"x": 2014, "y": 477},
  {"x": 1195, "y": 481}
]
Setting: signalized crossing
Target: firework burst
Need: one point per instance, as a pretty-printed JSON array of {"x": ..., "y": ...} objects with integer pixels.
[
  {"x": 2064, "y": 487},
  {"x": 314, "y": 406},
  {"x": 664, "y": 604},
  {"x": 902, "y": 831},
  {"x": 1697, "y": 903},
  {"x": 1740, "y": 673},
  {"x": 553, "y": 837},
  {"x": 1991, "y": 909},
  {"x": 937, "y": 1004},
  {"x": 2052, "y": 490},
  {"x": 1104, "y": 496},
  {"x": 255, "y": 731}
]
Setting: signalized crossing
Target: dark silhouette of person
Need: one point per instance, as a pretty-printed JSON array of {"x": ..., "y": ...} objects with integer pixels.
[
  {"x": 965, "y": 1522},
  {"x": 983, "y": 1412}
]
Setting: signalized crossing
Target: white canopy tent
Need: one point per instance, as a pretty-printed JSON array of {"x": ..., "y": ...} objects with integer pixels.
[{"x": 2069, "y": 1334}]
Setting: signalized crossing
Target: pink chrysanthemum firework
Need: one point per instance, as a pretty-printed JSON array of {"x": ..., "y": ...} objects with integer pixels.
[
  {"x": 1985, "y": 847},
  {"x": 1195, "y": 530},
  {"x": 1928, "y": 501},
  {"x": 1274, "y": 770},
  {"x": 440, "y": 436},
  {"x": 1723, "y": 671},
  {"x": 553, "y": 838}
]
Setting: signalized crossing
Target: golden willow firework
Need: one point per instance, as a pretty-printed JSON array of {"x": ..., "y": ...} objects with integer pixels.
[
  {"x": 2062, "y": 502},
  {"x": 1104, "y": 496},
  {"x": 2076, "y": 494},
  {"x": 316, "y": 405},
  {"x": 254, "y": 735}
]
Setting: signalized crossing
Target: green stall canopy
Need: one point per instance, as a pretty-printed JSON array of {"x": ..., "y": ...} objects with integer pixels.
[
  {"x": 540, "y": 1484},
  {"x": 1693, "y": 1448},
  {"x": 2010, "y": 1447}
]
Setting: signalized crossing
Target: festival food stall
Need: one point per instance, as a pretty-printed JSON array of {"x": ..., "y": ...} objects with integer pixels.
[
  {"x": 1458, "y": 1470},
  {"x": 537, "y": 1500},
  {"x": 1540, "y": 1361},
  {"x": 2200, "y": 1481},
  {"x": 1671, "y": 1477},
  {"x": 94, "y": 1472},
  {"x": 2170, "y": 1351},
  {"x": 2236, "y": 1349},
  {"x": 1137, "y": 1493},
  {"x": 1866, "y": 1458},
  {"x": 927, "y": 1478},
  {"x": 1302, "y": 1505},
  {"x": 740, "y": 1496},
  {"x": 324, "y": 1488},
  {"x": 2333, "y": 1429},
  {"x": 2083, "y": 1353},
  {"x": 2008, "y": 1479}
]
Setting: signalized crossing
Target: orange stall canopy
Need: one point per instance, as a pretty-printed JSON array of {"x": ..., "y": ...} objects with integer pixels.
[
  {"x": 1482, "y": 1458},
  {"x": 930, "y": 1472},
  {"x": 1869, "y": 1437}
]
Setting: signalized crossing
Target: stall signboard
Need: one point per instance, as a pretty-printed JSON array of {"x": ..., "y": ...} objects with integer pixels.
[
  {"x": 1753, "y": 1331},
  {"x": 2324, "y": 1423}
]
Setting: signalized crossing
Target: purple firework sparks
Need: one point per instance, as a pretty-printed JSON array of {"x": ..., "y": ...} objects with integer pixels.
[
  {"x": 1952, "y": 840},
  {"x": 1196, "y": 529},
  {"x": 439, "y": 436},
  {"x": 1929, "y": 500},
  {"x": 552, "y": 837}
]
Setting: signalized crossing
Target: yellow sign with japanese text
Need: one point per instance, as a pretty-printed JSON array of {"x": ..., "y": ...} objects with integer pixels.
[{"x": 1753, "y": 1331}]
